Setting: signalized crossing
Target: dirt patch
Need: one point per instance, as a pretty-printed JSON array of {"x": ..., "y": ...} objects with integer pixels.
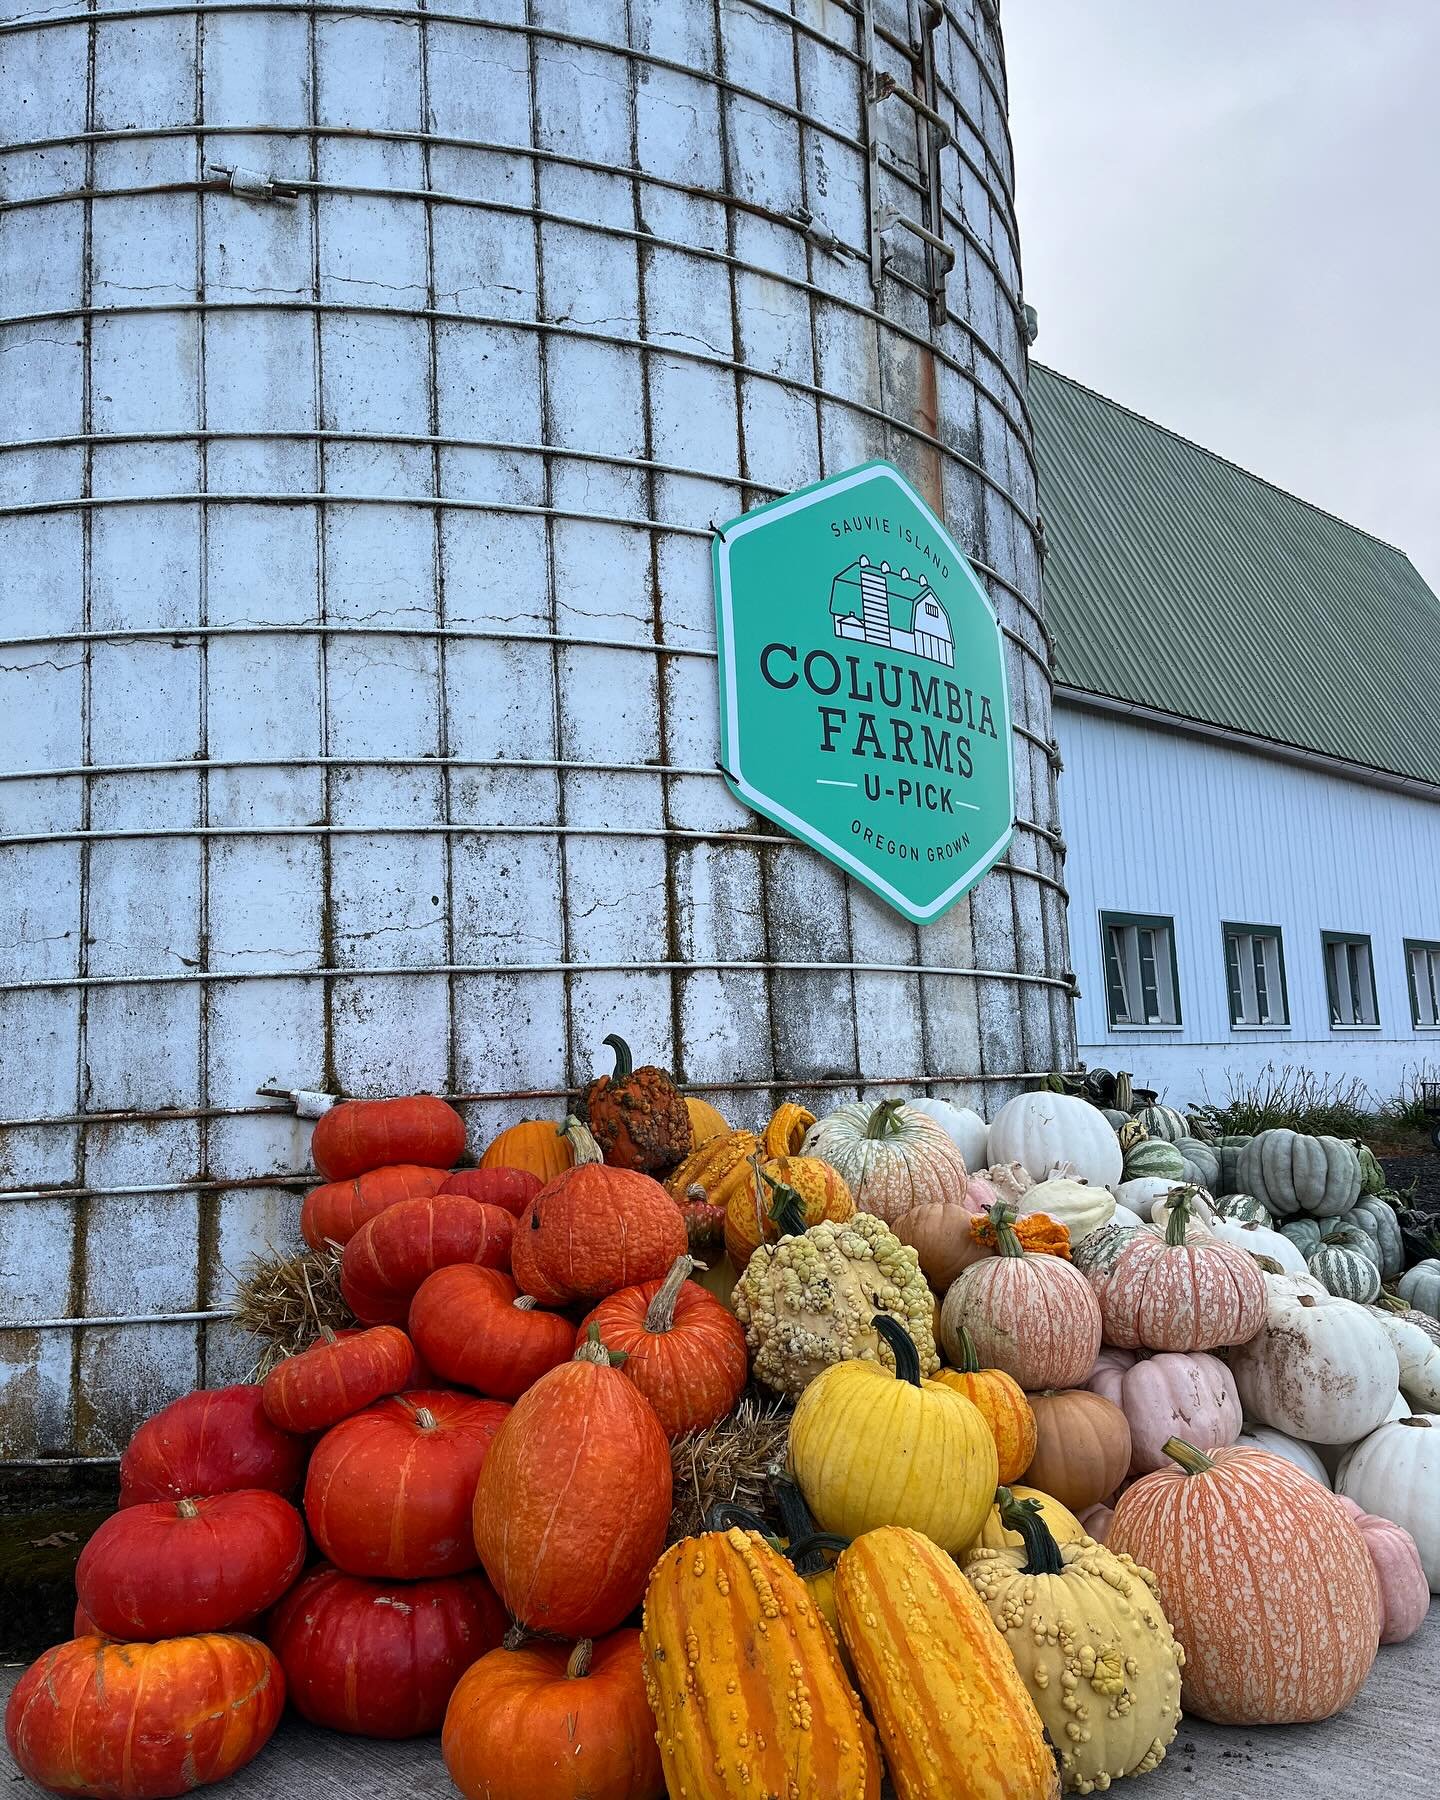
[
  {"x": 1423, "y": 1171},
  {"x": 46, "y": 1518}
]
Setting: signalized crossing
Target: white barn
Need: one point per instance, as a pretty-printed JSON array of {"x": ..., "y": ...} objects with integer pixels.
[{"x": 1248, "y": 712}]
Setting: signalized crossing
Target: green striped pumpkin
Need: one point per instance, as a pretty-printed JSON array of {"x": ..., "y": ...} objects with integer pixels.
[
  {"x": 1346, "y": 1273},
  {"x": 1154, "y": 1157},
  {"x": 1304, "y": 1234},
  {"x": 1346, "y": 1236},
  {"x": 1378, "y": 1222},
  {"x": 1163, "y": 1122},
  {"x": 1244, "y": 1207}
]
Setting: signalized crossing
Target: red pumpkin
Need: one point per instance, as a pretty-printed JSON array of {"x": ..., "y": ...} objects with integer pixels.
[
  {"x": 555, "y": 1720},
  {"x": 334, "y": 1213},
  {"x": 143, "y": 1721},
  {"x": 213, "y": 1442},
  {"x": 178, "y": 1568},
  {"x": 84, "y": 1625},
  {"x": 381, "y": 1659},
  {"x": 389, "y": 1256},
  {"x": 474, "y": 1327},
  {"x": 359, "y": 1135},
  {"x": 389, "y": 1489},
  {"x": 594, "y": 1230},
  {"x": 336, "y": 1377},
  {"x": 683, "y": 1349},
  {"x": 573, "y": 1501},
  {"x": 512, "y": 1189}
]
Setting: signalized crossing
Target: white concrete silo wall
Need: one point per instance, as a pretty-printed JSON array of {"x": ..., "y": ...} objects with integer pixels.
[{"x": 389, "y": 764}]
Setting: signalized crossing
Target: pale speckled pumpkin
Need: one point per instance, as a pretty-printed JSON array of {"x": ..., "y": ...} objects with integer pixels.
[
  {"x": 782, "y": 1719},
  {"x": 954, "y": 1716},
  {"x": 1266, "y": 1582},
  {"x": 892, "y": 1159},
  {"x": 1092, "y": 1644},
  {"x": 1172, "y": 1293}
]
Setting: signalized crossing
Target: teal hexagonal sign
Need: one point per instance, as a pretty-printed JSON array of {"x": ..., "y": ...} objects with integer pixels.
[{"x": 863, "y": 696}]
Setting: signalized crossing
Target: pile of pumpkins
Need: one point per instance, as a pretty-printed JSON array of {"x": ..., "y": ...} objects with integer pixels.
[{"x": 1042, "y": 1397}]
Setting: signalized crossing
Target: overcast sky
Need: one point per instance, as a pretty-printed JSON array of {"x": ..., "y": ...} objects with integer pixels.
[{"x": 1230, "y": 221}]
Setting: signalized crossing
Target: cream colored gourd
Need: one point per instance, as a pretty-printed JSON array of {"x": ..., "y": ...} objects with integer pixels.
[
  {"x": 1092, "y": 1644},
  {"x": 1320, "y": 1368},
  {"x": 891, "y": 1157},
  {"x": 1419, "y": 1358},
  {"x": 1076, "y": 1205},
  {"x": 1141, "y": 1193},
  {"x": 1045, "y": 1129},
  {"x": 1395, "y": 1473}
]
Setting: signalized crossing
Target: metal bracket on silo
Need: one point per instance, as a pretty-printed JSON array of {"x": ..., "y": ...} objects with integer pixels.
[
  {"x": 251, "y": 184},
  {"x": 879, "y": 87}
]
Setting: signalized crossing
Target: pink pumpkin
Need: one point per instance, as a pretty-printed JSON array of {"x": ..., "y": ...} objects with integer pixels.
[
  {"x": 1097, "y": 1521},
  {"x": 1164, "y": 1293},
  {"x": 1404, "y": 1589},
  {"x": 1167, "y": 1396},
  {"x": 939, "y": 1231}
]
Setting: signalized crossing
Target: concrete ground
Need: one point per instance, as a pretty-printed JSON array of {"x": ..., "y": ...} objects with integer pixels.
[{"x": 1390, "y": 1737}]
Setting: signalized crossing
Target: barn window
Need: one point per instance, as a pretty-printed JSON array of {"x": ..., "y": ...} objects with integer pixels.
[
  {"x": 1255, "y": 976},
  {"x": 1422, "y": 966},
  {"x": 1350, "y": 980},
  {"x": 1142, "y": 982}
]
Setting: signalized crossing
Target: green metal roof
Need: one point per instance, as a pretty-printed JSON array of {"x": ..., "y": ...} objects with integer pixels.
[{"x": 1179, "y": 581}]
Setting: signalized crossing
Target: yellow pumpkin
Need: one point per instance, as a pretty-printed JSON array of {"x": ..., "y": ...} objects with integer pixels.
[
  {"x": 1064, "y": 1527},
  {"x": 954, "y": 1716},
  {"x": 785, "y": 1133},
  {"x": 719, "y": 1167},
  {"x": 781, "y": 1719},
  {"x": 705, "y": 1121},
  {"x": 869, "y": 1448},
  {"x": 759, "y": 1204},
  {"x": 1092, "y": 1644},
  {"x": 542, "y": 1147}
]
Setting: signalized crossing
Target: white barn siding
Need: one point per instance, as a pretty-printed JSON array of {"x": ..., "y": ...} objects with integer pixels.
[{"x": 1159, "y": 822}]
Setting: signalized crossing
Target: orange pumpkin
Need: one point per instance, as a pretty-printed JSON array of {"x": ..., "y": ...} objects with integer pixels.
[
  {"x": 143, "y": 1721},
  {"x": 542, "y": 1148},
  {"x": 785, "y": 1134},
  {"x": 782, "y": 1198},
  {"x": 556, "y": 1721},
  {"x": 332, "y": 1214},
  {"x": 391, "y": 1254},
  {"x": 705, "y": 1121},
  {"x": 474, "y": 1327},
  {"x": 594, "y": 1230},
  {"x": 1264, "y": 1578},
  {"x": 682, "y": 1348},
  {"x": 1002, "y": 1405},
  {"x": 637, "y": 1116},
  {"x": 1082, "y": 1447},
  {"x": 511, "y": 1190},
  {"x": 358, "y": 1135},
  {"x": 336, "y": 1377}
]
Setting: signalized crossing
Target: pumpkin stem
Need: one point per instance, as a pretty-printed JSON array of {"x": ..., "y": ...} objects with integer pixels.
[
  {"x": 422, "y": 1415},
  {"x": 1042, "y": 1553},
  {"x": 813, "y": 1545},
  {"x": 726, "y": 1515},
  {"x": 525, "y": 1302},
  {"x": 514, "y": 1638},
  {"x": 1179, "y": 1220},
  {"x": 1424, "y": 1424},
  {"x": 795, "y": 1517},
  {"x": 1389, "y": 1302},
  {"x": 1191, "y": 1460},
  {"x": 186, "y": 1509},
  {"x": 787, "y": 1208},
  {"x": 593, "y": 1351},
  {"x": 907, "y": 1357},
  {"x": 579, "y": 1663},
  {"x": 582, "y": 1142},
  {"x": 885, "y": 1120},
  {"x": 969, "y": 1363},
  {"x": 660, "y": 1313},
  {"x": 1002, "y": 1218},
  {"x": 624, "y": 1062}
]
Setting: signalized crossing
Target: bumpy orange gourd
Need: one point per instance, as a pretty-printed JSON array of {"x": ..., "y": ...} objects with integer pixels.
[
  {"x": 780, "y": 1720},
  {"x": 143, "y": 1721},
  {"x": 785, "y": 1133},
  {"x": 717, "y": 1168},
  {"x": 705, "y": 1121},
  {"x": 1264, "y": 1578},
  {"x": 1039, "y": 1235},
  {"x": 757, "y": 1213},
  {"x": 1002, "y": 1404},
  {"x": 637, "y": 1115},
  {"x": 953, "y": 1714}
]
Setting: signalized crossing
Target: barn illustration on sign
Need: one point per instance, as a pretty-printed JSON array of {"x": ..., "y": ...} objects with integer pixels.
[{"x": 897, "y": 611}]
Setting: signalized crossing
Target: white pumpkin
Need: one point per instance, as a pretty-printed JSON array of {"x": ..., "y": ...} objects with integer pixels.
[
  {"x": 1141, "y": 1193},
  {"x": 1041, "y": 1130},
  {"x": 1396, "y": 1473},
  {"x": 1260, "y": 1240},
  {"x": 1280, "y": 1443},
  {"x": 1419, "y": 1359},
  {"x": 892, "y": 1158},
  {"x": 1076, "y": 1205},
  {"x": 965, "y": 1129},
  {"x": 1336, "y": 1456},
  {"x": 1122, "y": 1215},
  {"x": 1202, "y": 1207},
  {"x": 1319, "y": 1368}
]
